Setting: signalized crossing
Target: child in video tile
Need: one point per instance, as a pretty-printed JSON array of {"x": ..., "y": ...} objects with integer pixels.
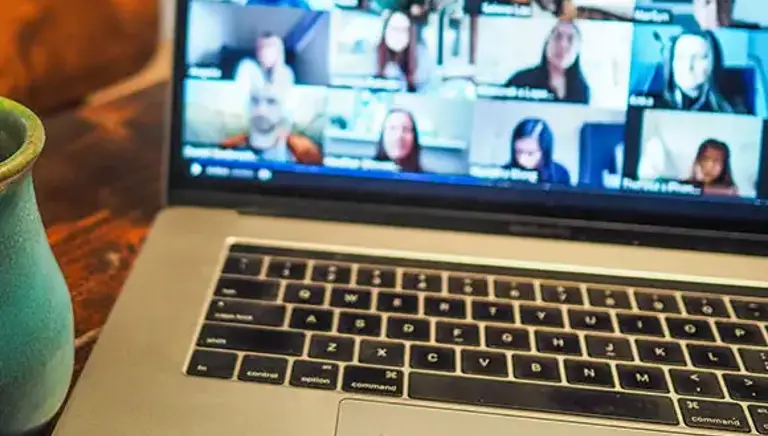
[
  {"x": 268, "y": 68},
  {"x": 399, "y": 55},
  {"x": 532, "y": 149},
  {"x": 694, "y": 76},
  {"x": 712, "y": 169},
  {"x": 560, "y": 69},
  {"x": 399, "y": 141}
]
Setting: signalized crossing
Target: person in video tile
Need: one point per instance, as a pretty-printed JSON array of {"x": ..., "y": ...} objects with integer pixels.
[
  {"x": 399, "y": 141},
  {"x": 268, "y": 68},
  {"x": 711, "y": 169},
  {"x": 694, "y": 75},
  {"x": 560, "y": 69},
  {"x": 398, "y": 51},
  {"x": 532, "y": 149}
]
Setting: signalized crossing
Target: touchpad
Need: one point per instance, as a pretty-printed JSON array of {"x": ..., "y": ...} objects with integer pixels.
[{"x": 370, "y": 418}]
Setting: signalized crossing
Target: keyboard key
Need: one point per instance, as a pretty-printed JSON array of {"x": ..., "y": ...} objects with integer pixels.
[
  {"x": 646, "y": 325},
  {"x": 243, "y": 265},
  {"x": 561, "y": 294},
  {"x": 755, "y": 361},
  {"x": 696, "y": 383},
  {"x": 581, "y": 372},
  {"x": 740, "y": 334},
  {"x": 668, "y": 353},
  {"x": 469, "y": 286},
  {"x": 610, "y": 298},
  {"x": 590, "y": 320},
  {"x": 246, "y": 312},
  {"x": 750, "y": 310},
  {"x": 215, "y": 364},
  {"x": 484, "y": 363},
  {"x": 417, "y": 281},
  {"x": 541, "y": 316},
  {"x": 514, "y": 290},
  {"x": 398, "y": 303},
  {"x": 493, "y": 312},
  {"x": 558, "y": 343},
  {"x": 747, "y": 387},
  {"x": 381, "y": 353},
  {"x": 690, "y": 329},
  {"x": 642, "y": 378},
  {"x": 705, "y": 306},
  {"x": 320, "y": 320},
  {"x": 376, "y": 277},
  {"x": 331, "y": 273},
  {"x": 542, "y": 398},
  {"x": 457, "y": 334},
  {"x": 253, "y": 339},
  {"x": 713, "y": 415},
  {"x": 332, "y": 348},
  {"x": 656, "y": 302},
  {"x": 445, "y": 307},
  {"x": 711, "y": 357},
  {"x": 507, "y": 338},
  {"x": 287, "y": 269},
  {"x": 608, "y": 347},
  {"x": 374, "y": 381},
  {"x": 316, "y": 375},
  {"x": 263, "y": 369},
  {"x": 359, "y": 324},
  {"x": 351, "y": 298},
  {"x": 250, "y": 289},
  {"x": 304, "y": 294},
  {"x": 409, "y": 329},
  {"x": 760, "y": 418},
  {"x": 433, "y": 358},
  {"x": 532, "y": 367}
]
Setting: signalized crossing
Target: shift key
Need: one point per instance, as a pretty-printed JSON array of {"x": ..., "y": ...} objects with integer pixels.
[
  {"x": 258, "y": 340},
  {"x": 714, "y": 415}
]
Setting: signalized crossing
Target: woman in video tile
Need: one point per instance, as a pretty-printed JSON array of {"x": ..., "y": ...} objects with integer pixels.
[
  {"x": 712, "y": 169},
  {"x": 694, "y": 76},
  {"x": 559, "y": 71},
  {"x": 400, "y": 56},
  {"x": 532, "y": 150},
  {"x": 399, "y": 141}
]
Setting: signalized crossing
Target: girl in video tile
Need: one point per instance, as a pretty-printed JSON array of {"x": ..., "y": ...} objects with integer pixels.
[
  {"x": 560, "y": 69},
  {"x": 399, "y": 141},
  {"x": 532, "y": 149},
  {"x": 694, "y": 76},
  {"x": 712, "y": 169},
  {"x": 399, "y": 53}
]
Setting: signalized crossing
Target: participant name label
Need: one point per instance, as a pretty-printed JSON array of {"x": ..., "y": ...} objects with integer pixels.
[
  {"x": 514, "y": 10},
  {"x": 659, "y": 16},
  {"x": 496, "y": 173}
]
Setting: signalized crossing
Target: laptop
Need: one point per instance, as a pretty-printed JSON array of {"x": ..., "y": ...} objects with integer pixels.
[{"x": 448, "y": 218}]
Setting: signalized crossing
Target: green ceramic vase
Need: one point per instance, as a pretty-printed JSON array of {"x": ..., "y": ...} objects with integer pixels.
[{"x": 36, "y": 326}]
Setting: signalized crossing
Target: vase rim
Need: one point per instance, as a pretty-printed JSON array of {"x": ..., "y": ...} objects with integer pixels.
[{"x": 22, "y": 159}]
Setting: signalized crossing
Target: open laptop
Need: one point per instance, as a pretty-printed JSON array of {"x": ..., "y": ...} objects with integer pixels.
[{"x": 449, "y": 218}]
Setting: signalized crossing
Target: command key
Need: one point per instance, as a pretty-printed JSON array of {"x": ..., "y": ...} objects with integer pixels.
[{"x": 714, "y": 415}]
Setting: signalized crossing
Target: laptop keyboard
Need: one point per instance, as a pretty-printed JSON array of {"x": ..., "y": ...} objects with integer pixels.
[{"x": 675, "y": 354}]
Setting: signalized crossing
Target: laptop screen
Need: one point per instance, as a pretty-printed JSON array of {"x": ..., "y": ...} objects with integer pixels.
[{"x": 657, "y": 105}]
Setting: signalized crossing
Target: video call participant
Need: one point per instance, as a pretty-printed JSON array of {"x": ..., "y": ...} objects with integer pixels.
[
  {"x": 532, "y": 149},
  {"x": 399, "y": 141},
  {"x": 711, "y": 169},
  {"x": 713, "y": 14},
  {"x": 269, "y": 135},
  {"x": 560, "y": 69},
  {"x": 694, "y": 76},
  {"x": 400, "y": 55},
  {"x": 268, "y": 68}
]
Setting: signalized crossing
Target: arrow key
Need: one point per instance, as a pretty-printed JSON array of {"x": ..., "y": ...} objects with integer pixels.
[
  {"x": 484, "y": 363},
  {"x": 747, "y": 387},
  {"x": 696, "y": 383},
  {"x": 740, "y": 334}
]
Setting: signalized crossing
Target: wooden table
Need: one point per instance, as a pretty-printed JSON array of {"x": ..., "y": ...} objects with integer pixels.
[{"x": 98, "y": 187}]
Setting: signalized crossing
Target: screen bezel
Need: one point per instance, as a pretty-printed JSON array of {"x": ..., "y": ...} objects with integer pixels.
[{"x": 569, "y": 209}]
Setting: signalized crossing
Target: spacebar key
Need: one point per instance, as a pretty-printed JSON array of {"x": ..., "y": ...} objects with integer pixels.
[
  {"x": 287, "y": 343},
  {"x": 542, "y": 398}
]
